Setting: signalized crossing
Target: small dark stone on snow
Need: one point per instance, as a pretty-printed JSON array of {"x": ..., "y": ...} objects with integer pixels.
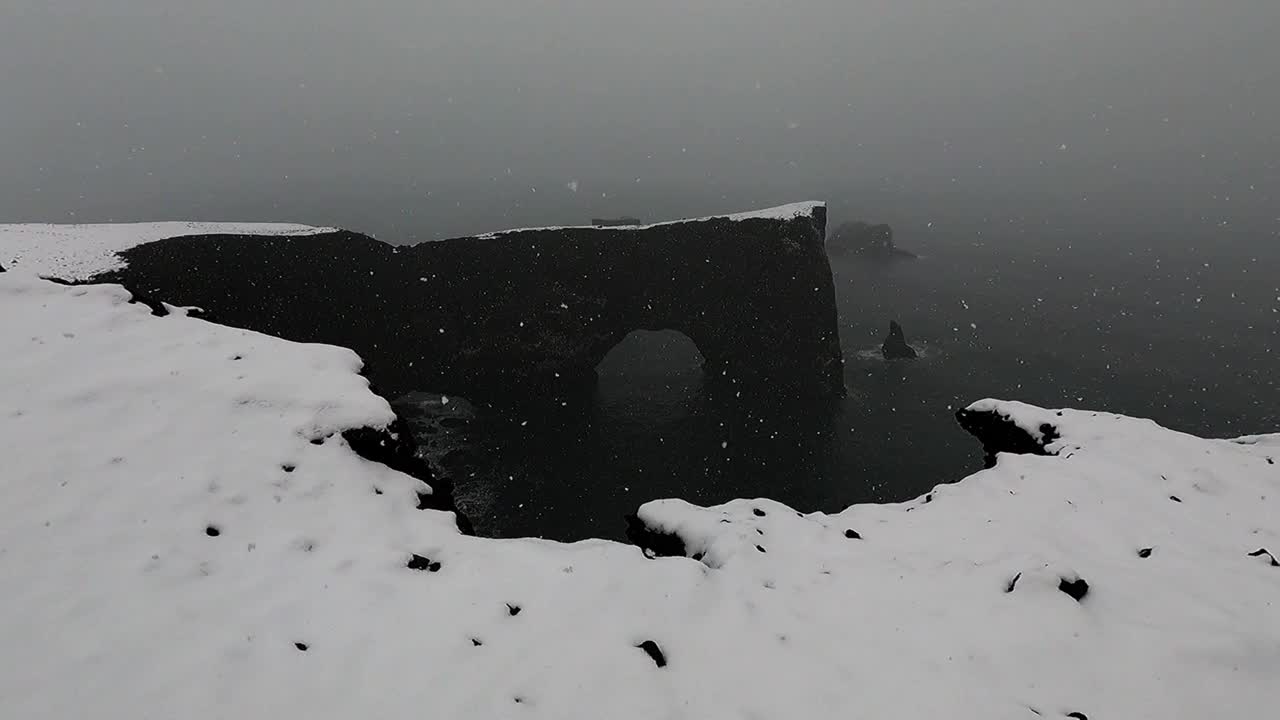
[
  {"x": 1270, "y": 461},
  {"x": 1144, "y": 553},
  {"x": 317, "y": 441},
  {"x": 654, "y": 652},
  {"x": 1263, "y": 551},
  {"x": 377, "y": 491},
  {"x": 852, "y": 534},
  {"x": 238, "y": 357},
  {"x": 212, "y": 531},
  {"x": 928, "y": 498},
  {"x": 758, "y": 512},
  {"x": 759, "y": 531},
  {"x": 476, "y": 643},
  {"x": 288, "y": 468},
  {"x": 1175, "y": 498},
  {"x": 1078, "y": 715},
  {"x": 761, "y": 549},
  {"x": 513, "y": 609},
  {"x": 417, "y": 562},
  {"x": 1076, "y": 588},
  {"x": 301, "y": 646},
  {"x": 1012, "y": 583},
  {"x": 724, "y": 521}
]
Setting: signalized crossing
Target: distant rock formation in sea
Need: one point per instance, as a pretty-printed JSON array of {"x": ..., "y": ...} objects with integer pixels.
[
  {"x": 895, "y": 345},
  {"x": 536, "y": 307},
  {"x": 863, "y": 239},
  {"x": 624, "y": 221}
]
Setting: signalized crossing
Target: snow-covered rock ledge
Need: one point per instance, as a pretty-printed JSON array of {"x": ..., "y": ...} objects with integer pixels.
[{"x": 186, "y": 533}]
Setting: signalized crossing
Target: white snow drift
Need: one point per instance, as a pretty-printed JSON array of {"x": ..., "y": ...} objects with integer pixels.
[
  {"x": 790, "y": 211},
  {"x": 174, "y": 545}
]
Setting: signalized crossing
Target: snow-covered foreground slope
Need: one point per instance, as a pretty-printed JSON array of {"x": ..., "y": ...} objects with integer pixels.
[
  {"x": 74, "y": 252},
  {"x": 173, "y": 543}
]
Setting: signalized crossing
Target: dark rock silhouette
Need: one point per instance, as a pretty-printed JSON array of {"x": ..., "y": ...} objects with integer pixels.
[
  {"x": 1000, "y": 434},
  {"x": 895, "y": 345},
  {"x": 479, "y": 314},
  {"x": 872, "y": 241}
]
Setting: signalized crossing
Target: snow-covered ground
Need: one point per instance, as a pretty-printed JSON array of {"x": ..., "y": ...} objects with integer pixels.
[
  {"x": 174, "y": 544},
  {"x": 790, "y": 211},
  {"x": 74, "y": 252}
]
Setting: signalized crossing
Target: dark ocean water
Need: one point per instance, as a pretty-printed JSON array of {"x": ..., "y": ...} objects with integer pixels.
[{"x": 1179, "y": 327}]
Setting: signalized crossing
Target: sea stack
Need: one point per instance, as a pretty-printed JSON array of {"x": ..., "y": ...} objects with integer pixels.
[{"x": 895, "y": 346}]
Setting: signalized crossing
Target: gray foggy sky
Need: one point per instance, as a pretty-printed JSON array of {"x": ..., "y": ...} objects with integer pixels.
[{"x": 326, "y": 111}]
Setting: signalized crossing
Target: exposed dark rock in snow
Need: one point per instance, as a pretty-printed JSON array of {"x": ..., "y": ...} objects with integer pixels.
[
  {"x": 1076, "y": 587},
  {"x": 394, "y": 447},
  {"x": 654, "y": 652},
  {"x": 1000, "y": 434},
  {"x": 477, "y": 314},
  {"x": 895, "y": 345},
  {"x": 871, "y": 241},
  {"x": 1262, "y": 552},
  {"x": 418, "y": 562},
  {"x": 659, "y": 543}
]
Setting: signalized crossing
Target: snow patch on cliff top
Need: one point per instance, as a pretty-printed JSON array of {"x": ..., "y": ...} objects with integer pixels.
[
  {"x": 75, "y": 252},
  {"x": 174, "y": 543},
  {"x": 782, "y": 212}
]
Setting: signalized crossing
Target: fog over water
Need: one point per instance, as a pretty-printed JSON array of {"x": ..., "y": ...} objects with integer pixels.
[
  {"x": 414, "y": 120},
  {"x": 1094, "y": 187}
]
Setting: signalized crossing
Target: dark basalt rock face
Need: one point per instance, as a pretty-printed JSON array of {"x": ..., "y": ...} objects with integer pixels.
[
  {"x": 862, "y": 239},
  {"x": 394, "y": 447},
  {"x": 477, "y": 314},
  {"x": 660, "y": 544},
  {"x": 895, "y": 345},
  {"x": 1000, "y": 434}
]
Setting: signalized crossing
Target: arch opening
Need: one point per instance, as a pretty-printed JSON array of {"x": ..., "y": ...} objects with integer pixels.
[{"x": 651, "y": 353}]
